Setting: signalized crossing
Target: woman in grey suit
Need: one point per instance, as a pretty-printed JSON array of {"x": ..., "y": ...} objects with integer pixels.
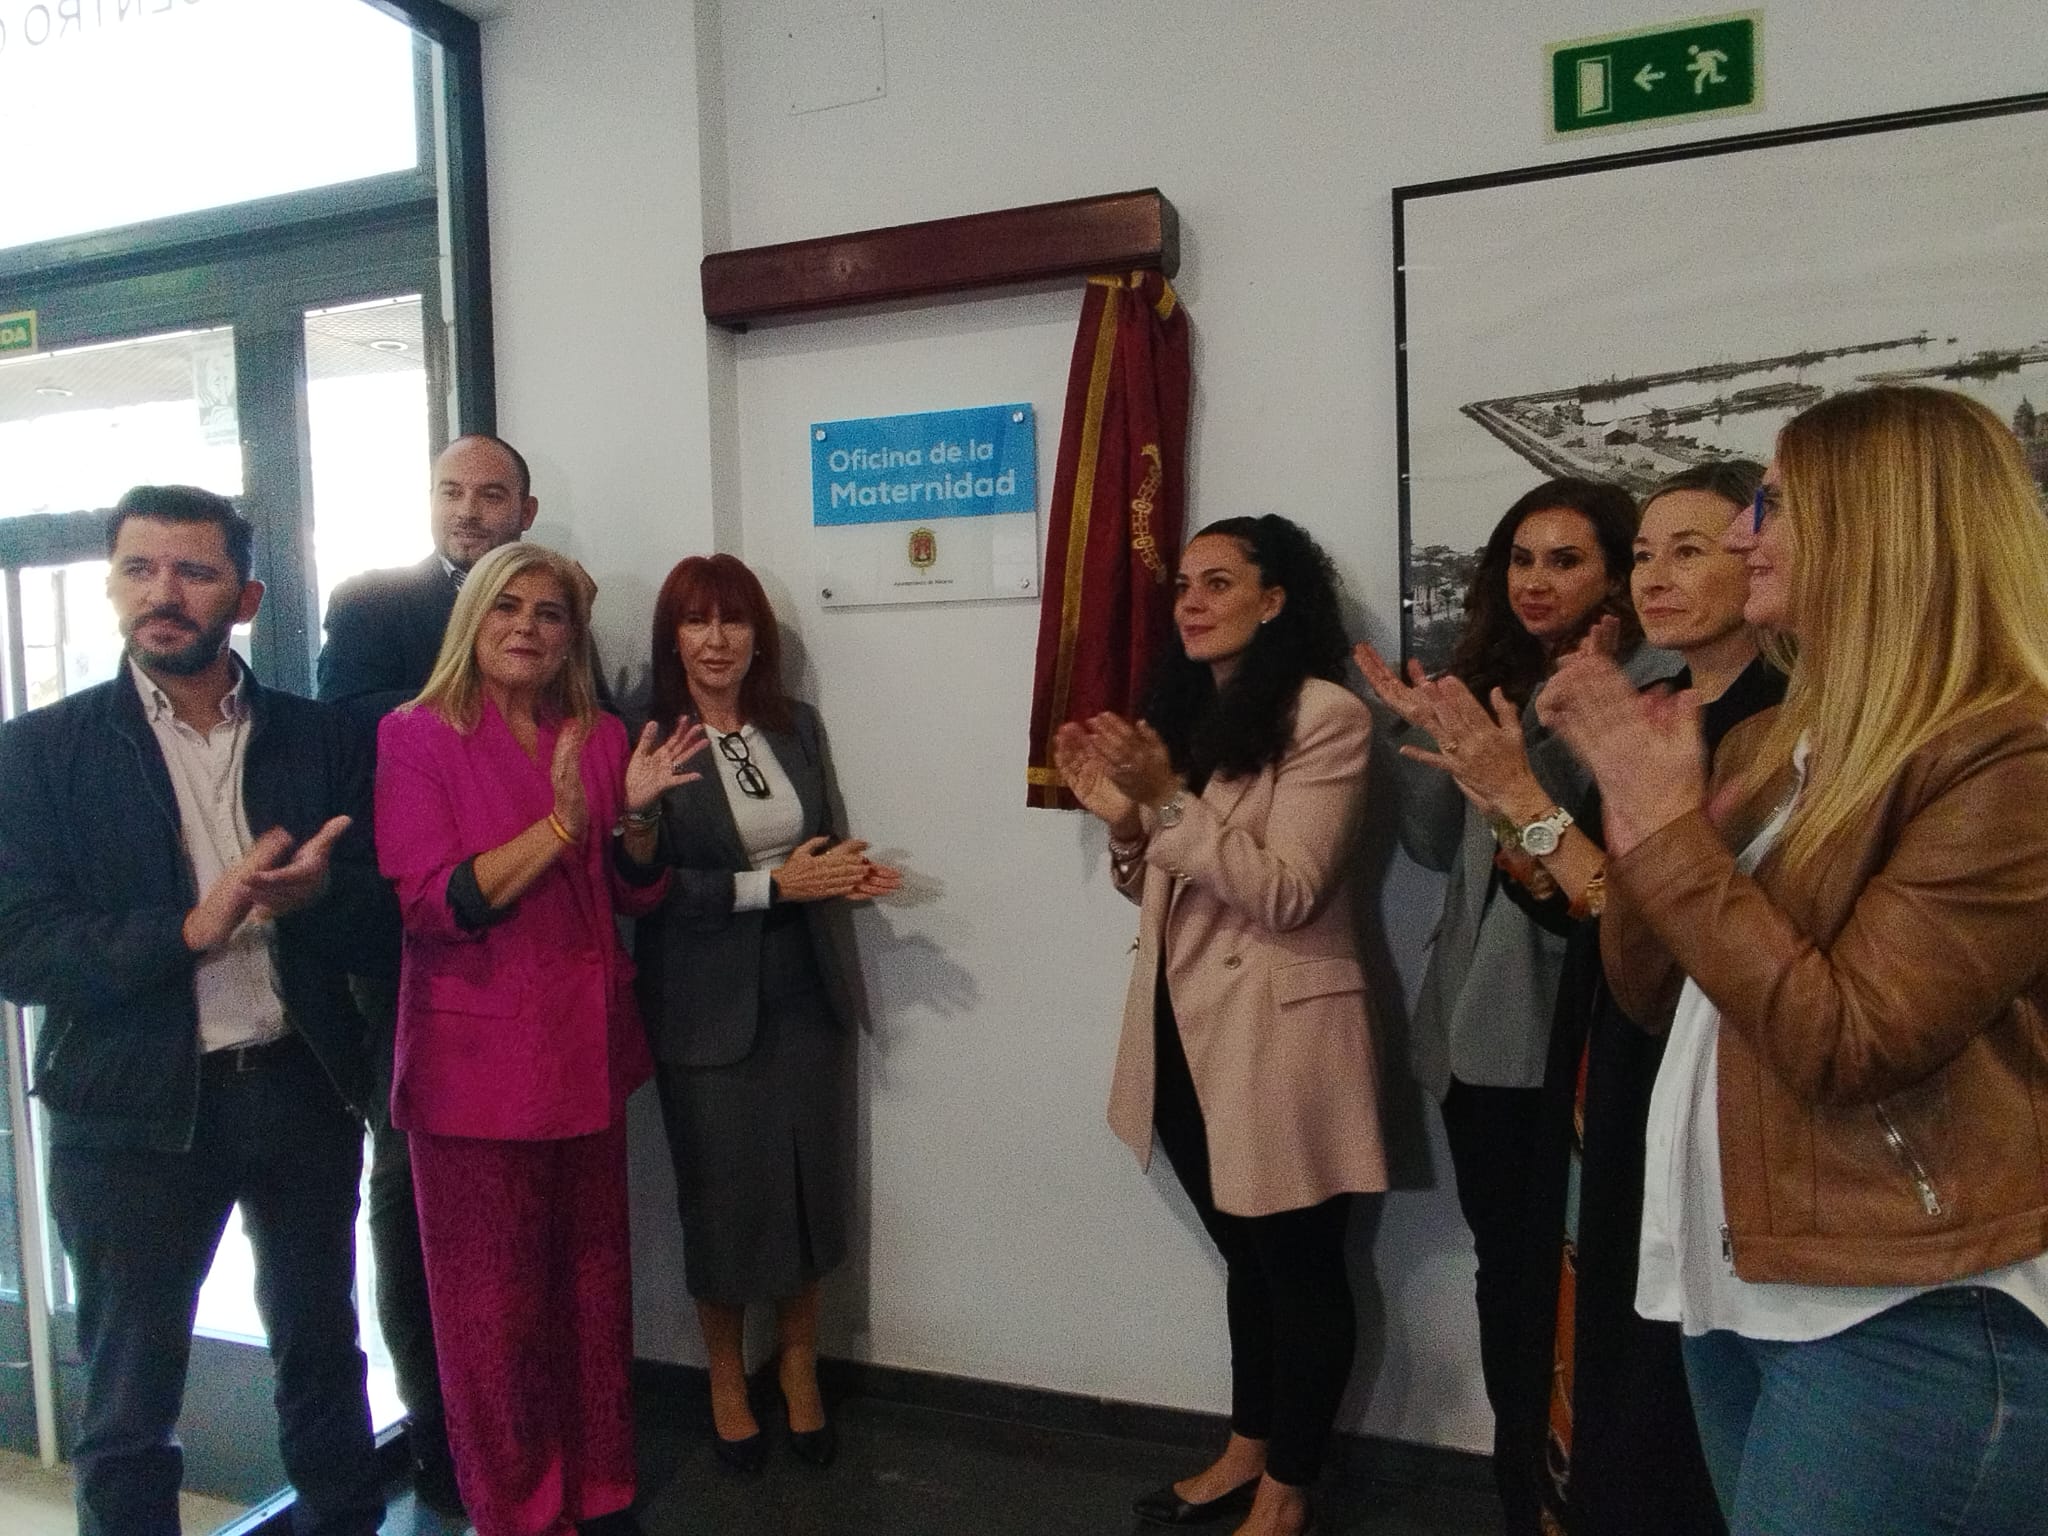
[
  {"x": 745, "y": 1002},
  {"x": 1557, "y": 562}
]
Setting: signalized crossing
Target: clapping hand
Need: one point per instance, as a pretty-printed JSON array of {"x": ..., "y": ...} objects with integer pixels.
[
  {"x": 1412, "y": 700},
  {"x": 1134, "y": 758},
  {"x": 258, "y": 886},
  {"x": 876, "y": 880},
  {"x": 1645, "y": 749},
  {"x": 572, "y": 810},
  {"x": 657, "y": 765},
  {"x": 820, "y": 870},
  {"x": 1483, "y": 751},
  {"x": 1085, "y": 772}
]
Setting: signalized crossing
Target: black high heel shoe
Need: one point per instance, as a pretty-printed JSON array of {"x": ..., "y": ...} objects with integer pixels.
[
  {"x": 1165, "y": 1506},
  {"x": 746, "y": 1457},
  {"x": 815, "y": 1446}
]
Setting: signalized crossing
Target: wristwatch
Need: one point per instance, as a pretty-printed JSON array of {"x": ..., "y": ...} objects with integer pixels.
[
  {"x": 1170, "y": 813},
  {"x": 1541, "y": 837}
]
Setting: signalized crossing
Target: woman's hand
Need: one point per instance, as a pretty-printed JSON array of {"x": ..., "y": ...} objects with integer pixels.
[
  {"x": 820, "y": 869},
  {"x": 657, "y": 765},
  {"x": 571, "y": 809},
  {"x": 1484, "y": 751},
  {"x": 876, "y": 880},
  {"x": 1135, "y": 759},
  {"x": 1085, "y": 771},
  {"x": 1411, "y": 700},
  {"x": 1644, "y": 748}
]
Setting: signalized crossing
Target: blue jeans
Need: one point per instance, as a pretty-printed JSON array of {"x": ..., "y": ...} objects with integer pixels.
[
  {"x": 141, "y": 1228},
  {"x": 1930, "y": 1419}
]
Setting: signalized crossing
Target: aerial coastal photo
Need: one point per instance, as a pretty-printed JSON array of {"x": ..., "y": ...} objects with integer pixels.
[
  {"x": 1629, "y": 322},
  {"x": 1635, "y": 431}
]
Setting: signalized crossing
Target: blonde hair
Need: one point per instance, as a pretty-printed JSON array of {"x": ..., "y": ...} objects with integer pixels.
[
  {"x": 1919, "y": 585},
  {"x": 455, "y": 687}
]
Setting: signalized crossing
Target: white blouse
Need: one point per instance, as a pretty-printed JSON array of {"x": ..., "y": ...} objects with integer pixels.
[{"x": 769, "y": 828}]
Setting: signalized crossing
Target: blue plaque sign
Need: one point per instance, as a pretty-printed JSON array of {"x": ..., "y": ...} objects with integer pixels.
[{"x": 890, "y": 469}]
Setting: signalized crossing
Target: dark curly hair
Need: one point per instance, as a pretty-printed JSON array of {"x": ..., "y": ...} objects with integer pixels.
[
  {"x": 1246, "y": 725},
  {"x": 1494, "y": 650}
]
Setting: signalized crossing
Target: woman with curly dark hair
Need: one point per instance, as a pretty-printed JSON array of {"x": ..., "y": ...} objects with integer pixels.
[
  {"x": 1246, "y": 1045},
  {"x": 1556, "y": 564}
]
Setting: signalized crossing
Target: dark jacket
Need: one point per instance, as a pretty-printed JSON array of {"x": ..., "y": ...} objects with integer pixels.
[
  {"x": 1883, "y": 1063},
  {"x": 700, "y": 961},
  {"x": 95, "y": 886},
  {"x": 384, "y": 633}
]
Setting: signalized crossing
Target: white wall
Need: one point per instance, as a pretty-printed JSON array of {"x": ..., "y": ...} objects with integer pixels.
[{"x": 1007, "y": 1234}]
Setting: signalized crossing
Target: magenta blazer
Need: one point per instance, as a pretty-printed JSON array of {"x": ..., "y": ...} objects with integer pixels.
[{"x": 526, "y": 1029}]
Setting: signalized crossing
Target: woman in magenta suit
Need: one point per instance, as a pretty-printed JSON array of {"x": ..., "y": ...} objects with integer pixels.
[{"x": 514, "y": 822}]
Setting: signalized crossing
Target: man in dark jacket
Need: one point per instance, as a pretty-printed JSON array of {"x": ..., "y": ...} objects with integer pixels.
[{"x": 184, "y": 869}]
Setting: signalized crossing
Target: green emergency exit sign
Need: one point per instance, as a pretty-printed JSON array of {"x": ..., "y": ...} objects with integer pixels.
[
  {"x": 18, "y": 331},
  {"x": 1700, "y": 68}
]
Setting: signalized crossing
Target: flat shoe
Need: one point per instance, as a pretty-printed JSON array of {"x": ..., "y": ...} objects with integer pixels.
[
  {"x": 746, "y": 1457},
  {"x": 815, "y": 1446},
  {"x": 1164, "y": 1506}
]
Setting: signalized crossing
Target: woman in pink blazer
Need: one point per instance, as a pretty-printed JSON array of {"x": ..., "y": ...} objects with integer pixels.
[
  {"x": 513, "y": 822},
  {"x": 1246, "y": 1048}
]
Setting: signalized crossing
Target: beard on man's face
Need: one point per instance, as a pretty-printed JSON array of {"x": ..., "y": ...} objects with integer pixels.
[{"x": 186, "y": 660}]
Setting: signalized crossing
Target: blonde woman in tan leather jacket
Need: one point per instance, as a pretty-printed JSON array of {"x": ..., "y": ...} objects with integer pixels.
[{"x": 1846, "y": 1198}]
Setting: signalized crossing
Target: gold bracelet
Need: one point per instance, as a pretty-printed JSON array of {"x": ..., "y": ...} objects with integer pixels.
[{"x": 557, "y": 826}]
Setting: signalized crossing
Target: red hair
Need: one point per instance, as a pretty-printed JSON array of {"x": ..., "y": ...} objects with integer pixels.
[{"x": 719, "y": 584}]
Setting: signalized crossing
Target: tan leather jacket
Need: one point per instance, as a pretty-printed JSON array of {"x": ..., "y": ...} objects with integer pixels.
[{"x": 1883, "y": 1078}]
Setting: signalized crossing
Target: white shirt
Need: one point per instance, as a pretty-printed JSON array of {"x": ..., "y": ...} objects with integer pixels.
[
  {"x": 1684, "y": 1273},
  {"x": 236, "y": 984},
  {"x": 769, "y": 829}
]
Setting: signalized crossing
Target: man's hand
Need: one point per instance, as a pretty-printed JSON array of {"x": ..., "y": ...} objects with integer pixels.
[
  {"x": 293, "y": 885},
  {"x": 227, "y": 904}
]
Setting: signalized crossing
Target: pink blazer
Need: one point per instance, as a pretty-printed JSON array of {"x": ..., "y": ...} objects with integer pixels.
[
  {"x": 1248, "y": 899},
  {"x": 524, "y": 1030}
]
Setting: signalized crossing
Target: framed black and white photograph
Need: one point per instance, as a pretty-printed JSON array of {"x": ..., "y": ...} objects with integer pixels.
[{"x": 1626, "y": 316}]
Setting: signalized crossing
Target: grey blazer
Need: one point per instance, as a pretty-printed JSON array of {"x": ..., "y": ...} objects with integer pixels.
[
  {"x": 1490, "y": 988},
  {"x": 700, "y": 961}
]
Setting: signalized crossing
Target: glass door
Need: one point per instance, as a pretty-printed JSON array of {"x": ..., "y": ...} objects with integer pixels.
[{"x": 319, "y": 413}]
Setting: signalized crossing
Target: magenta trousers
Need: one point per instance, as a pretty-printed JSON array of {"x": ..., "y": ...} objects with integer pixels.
[{"x": 529, "y": 1276}]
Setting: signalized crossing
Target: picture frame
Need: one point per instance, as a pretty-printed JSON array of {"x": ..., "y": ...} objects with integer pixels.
[{"x": 1624, "y": 315}]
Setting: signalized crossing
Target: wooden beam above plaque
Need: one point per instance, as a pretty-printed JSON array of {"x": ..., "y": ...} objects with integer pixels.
[{"x": 1120, "y": 232}]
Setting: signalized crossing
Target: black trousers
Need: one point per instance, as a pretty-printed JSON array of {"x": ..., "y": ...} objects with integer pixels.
[
  {"x": 402, "y": 1311},
  {"x": 1494, "y": 1135},
  {"x": 141, "y": 1227},
  {"x": 1293, "y": 1329}
]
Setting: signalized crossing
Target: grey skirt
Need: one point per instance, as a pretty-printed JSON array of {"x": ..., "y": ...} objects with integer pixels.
[{"x": 762, "y": 1147}]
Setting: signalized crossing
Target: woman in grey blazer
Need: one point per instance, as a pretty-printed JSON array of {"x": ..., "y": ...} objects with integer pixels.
[
  {"x": 745, "y": 1000},
  {"x": 1556, "y": 563}
]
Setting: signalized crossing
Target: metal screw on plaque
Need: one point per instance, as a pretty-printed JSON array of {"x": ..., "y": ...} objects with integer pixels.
[
  {"x": 1016, "y": 415},
  {"x": 818, "y": 433}
]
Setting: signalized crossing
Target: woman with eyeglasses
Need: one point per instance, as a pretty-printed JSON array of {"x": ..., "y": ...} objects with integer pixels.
[
  {"x": 513, "y": 822},
  {"x": 1845, "y": 1204},
  {"x": 748, "y": 1004},
  {"x": 1555, "y": 565},
  {"x": 1247, "y": 1049}
]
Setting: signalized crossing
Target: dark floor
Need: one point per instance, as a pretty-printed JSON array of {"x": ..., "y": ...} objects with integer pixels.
[{"x": 913, "y": 1471}]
